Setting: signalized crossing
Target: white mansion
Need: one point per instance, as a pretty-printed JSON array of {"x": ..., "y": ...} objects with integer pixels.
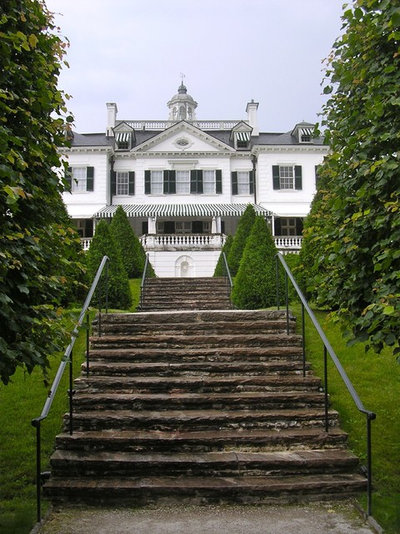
[{"x": 185, "y": 182}]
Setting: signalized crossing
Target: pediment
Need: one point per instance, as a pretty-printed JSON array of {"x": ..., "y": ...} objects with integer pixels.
[
  {"x": 123, "y": 127},
  {"x": 242, "y": 127},
  {"x": 183, "y": 137}
]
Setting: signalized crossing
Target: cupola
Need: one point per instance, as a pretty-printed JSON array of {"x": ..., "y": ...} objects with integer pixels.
[{"x": 182, "y": 106}]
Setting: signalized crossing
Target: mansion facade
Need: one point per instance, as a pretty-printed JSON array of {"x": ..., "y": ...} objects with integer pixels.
[{"x": 184, "y": 183}]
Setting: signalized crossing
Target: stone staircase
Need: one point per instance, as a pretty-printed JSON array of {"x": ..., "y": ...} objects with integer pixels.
[
  {"x": 200, "y": 406},
  {"x": 185, "y": 294}
]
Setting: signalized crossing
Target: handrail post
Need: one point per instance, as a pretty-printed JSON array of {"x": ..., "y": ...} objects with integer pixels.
[
  {"x": 99, "y": 308},
  {"x": 71, "y": 393},
  {"x": 106, "y": 282},
  {"x": 38, "y": 472},
  {"x": 326, "y": 388},
  {"x": 146, "y": 263},
  {"x": 87, "y": 343},
  {"x": 369, "y": 466}
]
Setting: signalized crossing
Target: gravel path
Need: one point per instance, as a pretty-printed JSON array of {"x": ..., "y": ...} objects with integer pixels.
[{"x": 316, "y": 518}]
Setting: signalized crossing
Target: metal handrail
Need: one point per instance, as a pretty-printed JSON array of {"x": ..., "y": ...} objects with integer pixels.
[
  {"x": 142, "y": 283},
  {"x": 328, "y": 349},
  {"x": 228, "y": 272},
  {"x": 67, "y": 359}
]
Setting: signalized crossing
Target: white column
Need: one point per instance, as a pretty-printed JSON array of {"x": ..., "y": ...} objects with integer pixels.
[
  {"x": 151, "y": 222},
  {"x": 214, "y": 226}
]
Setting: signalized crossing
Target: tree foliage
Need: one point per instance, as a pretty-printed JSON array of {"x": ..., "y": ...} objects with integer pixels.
[
  {"x": 119, "y": 295},
  {"x": 255, "y": 283},
  {"x": 354, "y": 232},
  {"x": 34, "y": 237},
  {"x": 132, "y": 253},
  {"x": 220, "y": 269},
  {"x": 239, "y": 240}
]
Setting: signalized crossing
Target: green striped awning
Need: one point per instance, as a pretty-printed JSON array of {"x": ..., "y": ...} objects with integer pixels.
[
  {"x": 181, "y": 210},
  {"x": 122, "y": 137},
  {"x": 243, "y": 136}
]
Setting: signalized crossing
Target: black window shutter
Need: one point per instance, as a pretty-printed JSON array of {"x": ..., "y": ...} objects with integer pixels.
[
  {"x": 145, "y": 227},
  {"x": 299, "y": 226},
  {"x": 89, "y": 178},
  {"x": 222, "y": 227},
  {"x": 234, "y": 183},
  {"x": 169, "y": 182},
  {"x": 275, "y": 177},
  {"x": 278, "y": 230},
  {"x": 68, "y": 178},
  {"x": 196, "y": 181},
  {"x": 218, "y": 181},
  {"x": 113, "y": 183},
  {"x": 147, "y": 182},
  {"x": 297, "y": 177},
  {"x": 89, "y": 228},
  {"x": 251, "y": 182},
  {"x": 131, "y": 189}
]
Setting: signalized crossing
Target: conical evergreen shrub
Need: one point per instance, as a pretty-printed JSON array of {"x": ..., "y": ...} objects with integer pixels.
[
  {"x": 119, "y": 295},
  {"x": 220, "y": 267},
  {"x": 239, "y": 240},
  {"x": 255, "y": 283},
  {"x": 125, "y": 239}
]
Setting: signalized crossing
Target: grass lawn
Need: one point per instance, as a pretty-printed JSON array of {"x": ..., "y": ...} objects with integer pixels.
[
  {"x": 376, "y": 379},
  {"x": 21, "y": 401}
]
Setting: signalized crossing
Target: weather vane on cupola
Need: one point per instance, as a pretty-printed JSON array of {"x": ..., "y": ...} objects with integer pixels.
[{"x": 182, "y": 106}]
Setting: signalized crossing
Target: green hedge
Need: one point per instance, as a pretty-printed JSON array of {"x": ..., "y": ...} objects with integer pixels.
[
  {"x": 220, "y": 269},
  {"x": 239, "y": 241}
]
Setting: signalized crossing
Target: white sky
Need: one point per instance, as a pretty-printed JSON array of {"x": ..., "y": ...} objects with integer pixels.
[{"x": 132, "y": 52}]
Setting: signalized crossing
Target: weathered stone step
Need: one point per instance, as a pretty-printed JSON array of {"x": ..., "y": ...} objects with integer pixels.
[
  {"x": 186, "y": 306},
  {"x": 186, "y": 282},
  {"x": 222, "y": 464},
  {"x": 220, "y": 327},
  {"x": 202, "y": 354},
  {"x": 137, "y": 491},
  {"x": 188, "y": 341},
  {"x": 195, "y": 401},
  {"x": 208, "y": 368},
  {"x": 200, "y": 419},
  {"x": 203, "y": 441},
  {"x": 131, "y": 384}
]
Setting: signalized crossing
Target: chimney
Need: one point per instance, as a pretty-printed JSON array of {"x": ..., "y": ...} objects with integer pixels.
[
  {"x": 251, "y": 110},
  {"x": 112, "y": 111}
]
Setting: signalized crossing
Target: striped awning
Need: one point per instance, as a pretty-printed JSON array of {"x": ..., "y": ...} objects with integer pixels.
[
  {"x": 181, "y": 210},
  {"x": 243, "y": 136},
  {"x": 306, "y": 131},
  {"x": 122, "y": 137}
]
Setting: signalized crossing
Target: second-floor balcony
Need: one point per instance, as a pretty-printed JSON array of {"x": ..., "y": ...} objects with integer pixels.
[{"x": 167, "y": 242}]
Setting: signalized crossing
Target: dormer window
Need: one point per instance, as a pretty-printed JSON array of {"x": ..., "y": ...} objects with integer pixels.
[
  {"x": 305, "y": 135},
  {"x": 123, "y": 140},
  {"x": 242, "y": 139}
]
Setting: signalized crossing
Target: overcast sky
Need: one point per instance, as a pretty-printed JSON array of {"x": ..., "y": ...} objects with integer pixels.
[{"x": 133, "y": 52}]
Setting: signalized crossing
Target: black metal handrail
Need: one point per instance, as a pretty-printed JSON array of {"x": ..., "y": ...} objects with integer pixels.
[
  {"x": 68, "y": 359},
  {"x": 370, "y": 416},
  {"x": 143, "y": 282},
  {"x": 228, "y": 275}
]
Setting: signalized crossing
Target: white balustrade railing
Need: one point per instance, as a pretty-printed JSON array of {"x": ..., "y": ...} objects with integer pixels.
[
  {"x": 288, "y": 242},
  {"x": 182, "y": 241},
  {"x": 162, "y": 125},
  {"x": 85, "y": 242}
]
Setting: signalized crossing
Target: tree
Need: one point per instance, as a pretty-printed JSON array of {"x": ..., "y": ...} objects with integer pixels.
[
  {"x": 239, "y": 240},
  {"x": 119, "y": 295},
  {"x": 34, "y": 236},
  {"x": 220, "y": 269},
  {"x": 359, "y": 242},
  {"x": 255, "y": 283},
  {"x": 133, "y": 257}
]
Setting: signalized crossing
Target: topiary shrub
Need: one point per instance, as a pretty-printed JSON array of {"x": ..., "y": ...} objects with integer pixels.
[
  {"x": 220, "y": 267},
  {"x": 255, "y": 283},
  {"x": 119, "y": 295},
  {"x": 239, "y": 240},
  {"x": 125, "y": 239}
]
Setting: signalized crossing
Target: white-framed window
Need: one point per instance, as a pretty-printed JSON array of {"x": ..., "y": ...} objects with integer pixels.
[
  {"x": 182, "y": 180},
  {"x": 183, "y": 227},
  {"x": 286, "y": 177},
  {"x": 243, "y": 179},
  {"x": 209, "y": 182},
  {"x": 79, "y": 177},
  {"x": 288, "y": 226},
  {"x": 122, "y": 183},
  {"x": 157, "y": 182}
]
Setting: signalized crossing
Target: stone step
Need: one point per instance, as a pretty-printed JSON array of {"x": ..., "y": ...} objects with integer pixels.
[
  {"x": 186, "y": 282},
  {"x": 203, "y": 441},
  {"x": 220, "y": 327},
  {"x": 105, "y": 464},
  {"x": 136, "y": 491},
  {"x": 195, "y": 368},
  {"x": 143, "y": 384},
  {"x": 200, "y": 419},
  {"x": 188, "y": 341},
  {"x": 185, "y": 306},
  {"x": 202, "y": 354},
  {"x": 197, "y": 401}
]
